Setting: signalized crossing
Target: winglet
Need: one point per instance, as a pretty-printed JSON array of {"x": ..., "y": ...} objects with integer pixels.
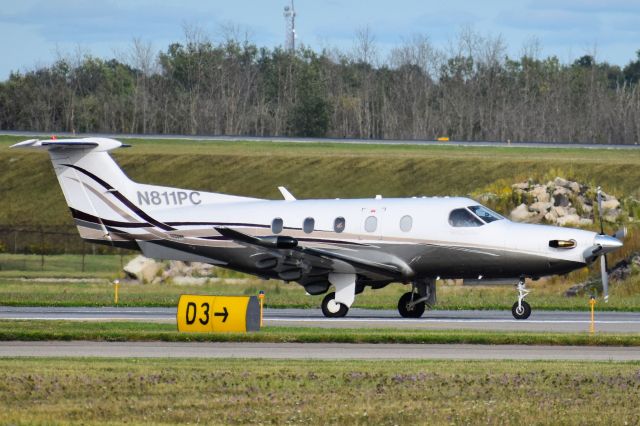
[{"x": 286, "y": 194}]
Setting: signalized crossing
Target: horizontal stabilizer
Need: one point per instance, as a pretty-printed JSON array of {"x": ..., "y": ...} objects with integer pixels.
[
  {"x": 162, "y": 251},
  {"x": 95, "y": 144}
]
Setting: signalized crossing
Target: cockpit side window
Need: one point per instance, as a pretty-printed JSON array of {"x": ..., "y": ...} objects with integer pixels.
[
  {"x": 485, "y": 214},
  {"x": 463, "y": 218}
]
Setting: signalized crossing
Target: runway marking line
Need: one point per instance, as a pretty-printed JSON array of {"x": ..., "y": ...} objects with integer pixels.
[
  {"x": 435, "y": 320},
  {"x": 339, "y": 320}
]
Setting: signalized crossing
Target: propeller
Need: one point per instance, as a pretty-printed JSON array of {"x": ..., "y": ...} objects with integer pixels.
[
  {"x": 607, "y": 244},
  {"x": 604, "y": 273}
]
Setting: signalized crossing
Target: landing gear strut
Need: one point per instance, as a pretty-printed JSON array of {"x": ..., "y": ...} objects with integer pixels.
[
  {"x": 521, "y": 309},
  {"x": 413, "y": 303}
]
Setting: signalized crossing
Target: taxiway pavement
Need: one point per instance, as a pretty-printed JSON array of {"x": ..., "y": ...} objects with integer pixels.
[{"x": 489, "y": 320}]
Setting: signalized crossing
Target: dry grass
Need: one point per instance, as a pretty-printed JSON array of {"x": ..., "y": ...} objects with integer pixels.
[{"x": 44, "y": 391}]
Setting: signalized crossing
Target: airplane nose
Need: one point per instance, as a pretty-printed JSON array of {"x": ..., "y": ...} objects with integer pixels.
[{"x": 607, "y": 243}]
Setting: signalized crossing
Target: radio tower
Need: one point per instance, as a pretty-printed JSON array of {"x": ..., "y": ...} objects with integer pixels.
[{"x": 290, "y": 19}]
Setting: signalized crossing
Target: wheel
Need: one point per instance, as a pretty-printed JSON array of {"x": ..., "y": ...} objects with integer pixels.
[
  {"x": 415, "y": 311},
  {"x": 521, "y": 313},
  {"x": 333, "y": 309}
]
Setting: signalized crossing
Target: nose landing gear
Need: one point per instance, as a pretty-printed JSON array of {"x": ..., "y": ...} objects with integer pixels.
[
  {"x": 333, "y": 309},
  {"x": 521, "y": 309}
]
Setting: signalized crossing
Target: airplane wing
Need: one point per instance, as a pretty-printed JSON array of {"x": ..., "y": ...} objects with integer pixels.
[{"x": 295, "y": 262}]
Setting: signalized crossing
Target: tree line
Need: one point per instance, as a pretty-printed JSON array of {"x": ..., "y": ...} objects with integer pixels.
[{"x": 471, "y": 90}]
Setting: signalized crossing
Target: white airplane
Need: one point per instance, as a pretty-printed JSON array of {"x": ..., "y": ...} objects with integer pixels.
[{"x": 348, "y": 244}]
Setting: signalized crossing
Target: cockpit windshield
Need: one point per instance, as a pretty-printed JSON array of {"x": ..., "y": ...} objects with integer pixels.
[
  {"x": 462, "y": 218},
  {"x": 485, "y": 214}
]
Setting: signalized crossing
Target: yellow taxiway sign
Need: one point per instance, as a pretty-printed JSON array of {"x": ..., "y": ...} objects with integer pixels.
[{"x": 202, "y": 314}]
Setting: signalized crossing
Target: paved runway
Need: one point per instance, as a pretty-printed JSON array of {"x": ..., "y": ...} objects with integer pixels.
[
  {"x": 325, "y": 351},
  {"x": 553, "y": 321},
  {"x": 267, "y": 139}
]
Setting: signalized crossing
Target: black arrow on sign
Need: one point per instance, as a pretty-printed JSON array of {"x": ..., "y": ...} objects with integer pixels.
[{"x": 223, "y": 314}]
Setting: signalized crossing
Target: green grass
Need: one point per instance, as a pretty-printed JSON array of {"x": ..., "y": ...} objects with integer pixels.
[
  {"x": 31, "y": 194},
  {"x": 140, "y": 331},
  {"x": 545, "y": 295},
  {"x": 91, "y": 391}
]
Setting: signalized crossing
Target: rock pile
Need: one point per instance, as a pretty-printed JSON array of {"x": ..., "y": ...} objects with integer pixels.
[
  {"x": 561, "y": 202},
  {"x": 146, "y": 270}
]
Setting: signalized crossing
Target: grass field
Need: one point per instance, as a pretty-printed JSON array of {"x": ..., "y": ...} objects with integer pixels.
[
  {"x": 31, "y": 195},
  {"x": 141, "y": 331},
  {"x": 89, "y": 391}
]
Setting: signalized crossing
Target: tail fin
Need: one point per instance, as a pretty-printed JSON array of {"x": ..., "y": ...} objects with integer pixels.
[
  {"x": 104, "y": 202},
  {"x": 87, "y": 174}
]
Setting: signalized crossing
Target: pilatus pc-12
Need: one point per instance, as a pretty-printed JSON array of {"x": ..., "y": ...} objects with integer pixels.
[{"x": 347, "y": 244}]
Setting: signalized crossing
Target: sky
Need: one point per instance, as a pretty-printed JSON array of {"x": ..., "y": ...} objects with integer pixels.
[{"x": 34, "y": 33}]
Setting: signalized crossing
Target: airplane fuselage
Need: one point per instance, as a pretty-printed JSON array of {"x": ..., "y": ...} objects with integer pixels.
[{"x": 415, "y": 232}]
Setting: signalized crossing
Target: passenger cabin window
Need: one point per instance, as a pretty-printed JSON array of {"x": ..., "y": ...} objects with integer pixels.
[
  {"x": 276, "y": 225},
  {"x": 463, "y": 218},
  {"x": 485, "y": 214},
  {"x": 339, "y": 224},
  {"x": 406, "y": 223},
  {"x": 308, "y": 225},
  {"x": 370, "y": 224}
]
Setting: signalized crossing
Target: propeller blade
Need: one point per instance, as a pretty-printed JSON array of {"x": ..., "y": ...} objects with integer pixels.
[
  {"x": 600, "y": 210},
  {"x": 621, "y": 233},
  {"x": 605, "y": 277}
]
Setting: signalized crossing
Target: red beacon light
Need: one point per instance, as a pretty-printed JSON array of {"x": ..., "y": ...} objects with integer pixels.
[{"x": 53, "y": 137}]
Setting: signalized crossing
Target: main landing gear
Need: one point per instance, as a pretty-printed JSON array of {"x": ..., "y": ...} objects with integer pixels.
[
  {"x": 521, "y": 309},
  {"x": 413, "y": 303}
]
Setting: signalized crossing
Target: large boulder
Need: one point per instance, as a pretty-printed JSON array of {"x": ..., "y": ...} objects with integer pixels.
[
  {"x": 611, "y": 215},
  {"x": 560, "y": 182},
  {"x": 521, "y": 214},
  {"x": 541, "y": 193},
  {"x": 541, "y": 206},
  {"x": 559, "y": 211},
  {"x": 610, "y": 204},
  {"x": 570, "y": 219},
  {"x": 560, "y": 198},
  {"x": 524, "y": 186},
  {"x": 142, "y": 269}
]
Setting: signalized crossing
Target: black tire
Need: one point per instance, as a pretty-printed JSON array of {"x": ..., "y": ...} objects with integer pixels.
[
  {"x": 341, "y": 312},
  {"x": 415, "y": 311},
  {"x": 523, "y": 313}
]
